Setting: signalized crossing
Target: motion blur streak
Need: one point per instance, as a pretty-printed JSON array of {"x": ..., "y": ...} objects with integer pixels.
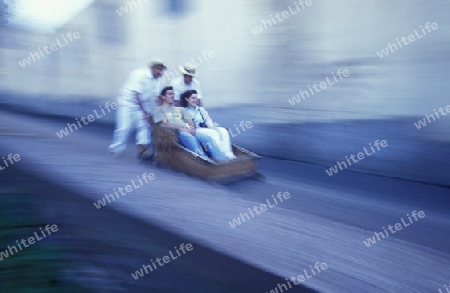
[{"x": 274, "y": 74}]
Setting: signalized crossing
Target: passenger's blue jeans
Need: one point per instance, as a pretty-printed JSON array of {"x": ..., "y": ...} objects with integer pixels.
[{"x": 192, "y": 143}]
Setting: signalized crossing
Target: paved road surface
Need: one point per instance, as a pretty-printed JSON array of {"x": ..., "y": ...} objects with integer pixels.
[{"x": 326, "y": 218}]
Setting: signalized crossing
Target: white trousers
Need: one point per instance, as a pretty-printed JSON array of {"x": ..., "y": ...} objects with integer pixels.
[{"x": 127, "y": 120}]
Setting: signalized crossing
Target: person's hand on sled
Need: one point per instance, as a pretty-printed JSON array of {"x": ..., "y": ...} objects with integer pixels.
[
  {"x": 147, "y": 116},
  {"x": 189, "y": 129}
]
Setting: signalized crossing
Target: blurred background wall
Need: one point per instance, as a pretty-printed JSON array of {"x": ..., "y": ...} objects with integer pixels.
[
  {"x": 110, "y": 46},
  {"x": 381, "y": 99},
  {"x": 270, "y": 67}
]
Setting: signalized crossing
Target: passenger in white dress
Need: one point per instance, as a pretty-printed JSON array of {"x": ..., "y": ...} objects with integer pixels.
[{"x": 216, "y": 139}]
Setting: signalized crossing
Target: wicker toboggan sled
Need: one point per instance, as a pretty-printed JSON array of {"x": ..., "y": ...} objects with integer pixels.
[{"x": 170, "y": 153}]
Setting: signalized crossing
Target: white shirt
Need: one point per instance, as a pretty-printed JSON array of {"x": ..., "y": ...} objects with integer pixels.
[
  {"x": 200, "y": 115},
  {"x": 179, "y": 87},
  {"x": 142, "y": 81}
]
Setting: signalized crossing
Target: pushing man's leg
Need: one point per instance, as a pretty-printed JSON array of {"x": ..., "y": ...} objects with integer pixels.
[
  {"x": 123, "y": 127},
  {"x": 143, "y": 138}
]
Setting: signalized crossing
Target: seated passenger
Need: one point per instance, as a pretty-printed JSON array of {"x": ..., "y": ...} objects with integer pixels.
[
  {"x": 177, "y": 118},
  {"x": 215, "y": 138}
]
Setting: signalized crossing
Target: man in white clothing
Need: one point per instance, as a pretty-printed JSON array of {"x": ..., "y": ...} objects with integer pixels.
[
  {"x": 187, "y": 82},
  {"x": 136, "y": 102}
]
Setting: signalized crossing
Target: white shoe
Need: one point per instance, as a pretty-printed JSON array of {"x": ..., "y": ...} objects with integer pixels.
[{"x": 231, "y": 156}]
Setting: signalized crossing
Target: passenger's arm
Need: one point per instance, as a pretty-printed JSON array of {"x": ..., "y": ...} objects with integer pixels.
[
  {"x": 188, "y": 119},
  {"x": 191, "y": 123},
  {"x": 188, "y": 128}
]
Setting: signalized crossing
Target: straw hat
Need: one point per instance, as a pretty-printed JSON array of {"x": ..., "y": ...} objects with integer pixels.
[
  {"x": 157, "y": 62},
  {"x": 188, "y": 69}
]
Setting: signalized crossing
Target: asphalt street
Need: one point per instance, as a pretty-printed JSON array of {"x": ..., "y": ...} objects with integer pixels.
[{"x": 326, "y": 219}]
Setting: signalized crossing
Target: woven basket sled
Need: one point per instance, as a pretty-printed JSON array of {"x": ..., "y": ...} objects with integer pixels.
[{"x": 171, "y": 154}]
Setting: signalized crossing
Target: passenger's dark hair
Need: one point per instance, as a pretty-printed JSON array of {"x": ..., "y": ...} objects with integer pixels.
[
  {"x": 185, "y": 95},
  {"x": 167, "y": 88}
]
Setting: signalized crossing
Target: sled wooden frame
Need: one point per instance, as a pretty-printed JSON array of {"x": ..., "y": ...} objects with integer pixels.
[{"x": 171, "y": 154}]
